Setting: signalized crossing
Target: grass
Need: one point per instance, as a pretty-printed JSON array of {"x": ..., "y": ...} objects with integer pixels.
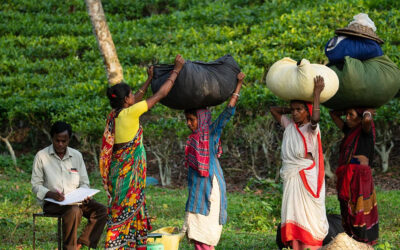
[{"x": 253, "y": 214}]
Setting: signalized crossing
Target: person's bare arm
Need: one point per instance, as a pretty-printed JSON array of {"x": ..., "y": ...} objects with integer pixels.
[
  {"x": 235, "y": 95},
  {"x": 277, "y": 112},
  {"x": 335, "y": 115},
  {"x": 319, "y": 85},
  {"x": 168, "y": 84},
  {"x": 367, "y": 119},
  {"x": 142, "y": 90}
]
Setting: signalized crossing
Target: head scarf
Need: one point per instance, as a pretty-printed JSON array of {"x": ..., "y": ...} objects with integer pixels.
[
  {"x": 197, "y": 151},
  {"x": 309, "y": 106}
]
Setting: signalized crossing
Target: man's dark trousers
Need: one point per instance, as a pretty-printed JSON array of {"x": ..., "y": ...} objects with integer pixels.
[{"x": 95, "y": 212}]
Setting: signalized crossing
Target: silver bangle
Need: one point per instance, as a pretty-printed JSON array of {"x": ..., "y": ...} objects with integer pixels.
[
  {"x": 236, "y": 94},
  {"x": 367, "y": 112}
]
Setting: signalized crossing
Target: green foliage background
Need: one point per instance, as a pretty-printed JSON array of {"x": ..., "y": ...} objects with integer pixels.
[{"x": 51, "y": 67}]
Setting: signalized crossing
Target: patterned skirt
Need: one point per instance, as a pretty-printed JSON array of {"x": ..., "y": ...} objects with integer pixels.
[
  {"x": 128, "y": 223},
  {"x": 358, "y": 205}
]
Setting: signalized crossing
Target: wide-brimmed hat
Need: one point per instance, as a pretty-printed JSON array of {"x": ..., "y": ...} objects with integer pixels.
[
  {"x": 361, "y": 26},
  {"x": 360, "y": 31}
]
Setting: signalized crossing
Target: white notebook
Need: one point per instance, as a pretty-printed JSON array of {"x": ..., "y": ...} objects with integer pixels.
[{"x": 76, "y": 196}]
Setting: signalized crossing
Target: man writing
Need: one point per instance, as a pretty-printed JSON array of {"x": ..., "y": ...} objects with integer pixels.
[{"x": 58, "y": 170}]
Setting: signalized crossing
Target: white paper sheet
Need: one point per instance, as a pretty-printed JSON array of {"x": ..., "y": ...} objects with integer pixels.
[{"x": 75, "y": 196}]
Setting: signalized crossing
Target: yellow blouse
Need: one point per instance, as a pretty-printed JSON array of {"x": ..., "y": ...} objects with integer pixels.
[{"x": 127, "y": 122}]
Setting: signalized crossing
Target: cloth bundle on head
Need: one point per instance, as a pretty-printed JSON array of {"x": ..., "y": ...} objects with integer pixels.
[
  {"x": 369, "y": 83},
  {"x": 361, "y": 26},
  {"x": 338, "y": 47},
  {"x": 199, "y": 84},
  {"x": 290, "y": 80},
  {"x": 197, "y": 150}
]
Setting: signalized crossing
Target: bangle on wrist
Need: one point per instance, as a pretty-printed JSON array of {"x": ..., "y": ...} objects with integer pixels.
[
  {"x": 367, "y": 112},
  {"x": 234, "y": 94},
  {"x": 169, "y": 79},
  {"x": 141, "y": 91},
  {"x": 175, "y": 71}
]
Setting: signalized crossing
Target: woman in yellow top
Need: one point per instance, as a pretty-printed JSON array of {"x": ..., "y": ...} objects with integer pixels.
[{"x": 123, "y": 162}]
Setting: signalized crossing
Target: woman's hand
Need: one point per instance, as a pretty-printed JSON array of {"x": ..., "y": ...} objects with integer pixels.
[
  {"x": 168, "y": 84},
  {"x": 319, "y": 85},
  {"x": 371, "y": 112},
  {"x": 235, "y": 95},
  {"x": 179, "y": 62},
  {"x": 240, "y": 77},
  {"x": 150, "y": 72}
]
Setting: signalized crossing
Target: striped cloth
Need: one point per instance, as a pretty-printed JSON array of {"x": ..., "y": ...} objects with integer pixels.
[{"x": 197, "y": 153}]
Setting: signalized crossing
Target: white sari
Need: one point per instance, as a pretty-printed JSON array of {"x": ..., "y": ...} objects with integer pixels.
[{"x": 303, "y": 204}]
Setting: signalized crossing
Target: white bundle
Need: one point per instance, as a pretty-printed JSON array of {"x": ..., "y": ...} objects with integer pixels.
[
  {"x": 290, "y": 81},
  {"x": 364, "y": 20},
  {"x": 343, "y": 242}
]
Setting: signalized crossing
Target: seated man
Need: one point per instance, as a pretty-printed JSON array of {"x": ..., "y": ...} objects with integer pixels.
[{"x": 58, "y": 170}]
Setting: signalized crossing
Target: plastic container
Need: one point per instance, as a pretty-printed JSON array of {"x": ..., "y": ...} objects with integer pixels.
[
  {"x": 155, "y": 246},
  {"x": 169, "y": 240}
]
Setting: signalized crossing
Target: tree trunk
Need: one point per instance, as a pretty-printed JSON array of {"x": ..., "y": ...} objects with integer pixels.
[
  {"x": 328, "y": 170},
  {"x": 384, "y": 153},
  {"x": 47, "y": 134},
  {"x": 383, "y": 150},
  {"x": 105, "y": 42},
  {"x": 160, "y": 167},
  {"x": 167, "y": 174},
  {"x": 94, "y": 154},
  {"x": 164, "y": 169},
  {"x": 265, "y": 147},
  {"x": 10, "y": 149},
  {"x": 254, "y": 150}
]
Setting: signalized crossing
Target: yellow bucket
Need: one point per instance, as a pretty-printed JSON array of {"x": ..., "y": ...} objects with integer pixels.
[{"x": 168, "y": 239}]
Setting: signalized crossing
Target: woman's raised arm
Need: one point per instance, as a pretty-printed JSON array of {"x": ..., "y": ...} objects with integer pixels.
[
  {"x": 142, "y": 90},
  {"x": 277, "y": 112},
  {"x": 335, "y": 115},
  {"x": 168, "y": 84},
  {"x": 235, "y": 95}
]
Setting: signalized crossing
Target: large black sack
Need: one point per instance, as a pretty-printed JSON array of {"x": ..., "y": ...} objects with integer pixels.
[
  {"x": 335, "y": 228},
  {"x": 199, "y": 84}
]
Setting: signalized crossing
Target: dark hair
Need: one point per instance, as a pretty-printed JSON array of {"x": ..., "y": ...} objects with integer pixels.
[
  {"x": 300, "y": 101},
  {"x": 359, "y": 111},
  {"x": 59, "y": 127},
  {"x": 191, "y": 112},
  {"x": 117, "y": 93}
]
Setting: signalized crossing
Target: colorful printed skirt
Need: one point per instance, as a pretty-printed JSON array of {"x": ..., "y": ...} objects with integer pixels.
[
  {"x": 128, "y": 223},
  {"x": 358, "y": 203}
]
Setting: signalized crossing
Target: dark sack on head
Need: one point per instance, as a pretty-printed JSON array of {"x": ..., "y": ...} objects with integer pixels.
[
  {"x": 370, "y": 83},
  {"x": 356, "y": 47},
  {"x": 199, "y": 84}
]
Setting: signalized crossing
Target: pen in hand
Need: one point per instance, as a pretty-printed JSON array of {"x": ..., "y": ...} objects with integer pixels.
[{"x": 59, "y": 196}]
